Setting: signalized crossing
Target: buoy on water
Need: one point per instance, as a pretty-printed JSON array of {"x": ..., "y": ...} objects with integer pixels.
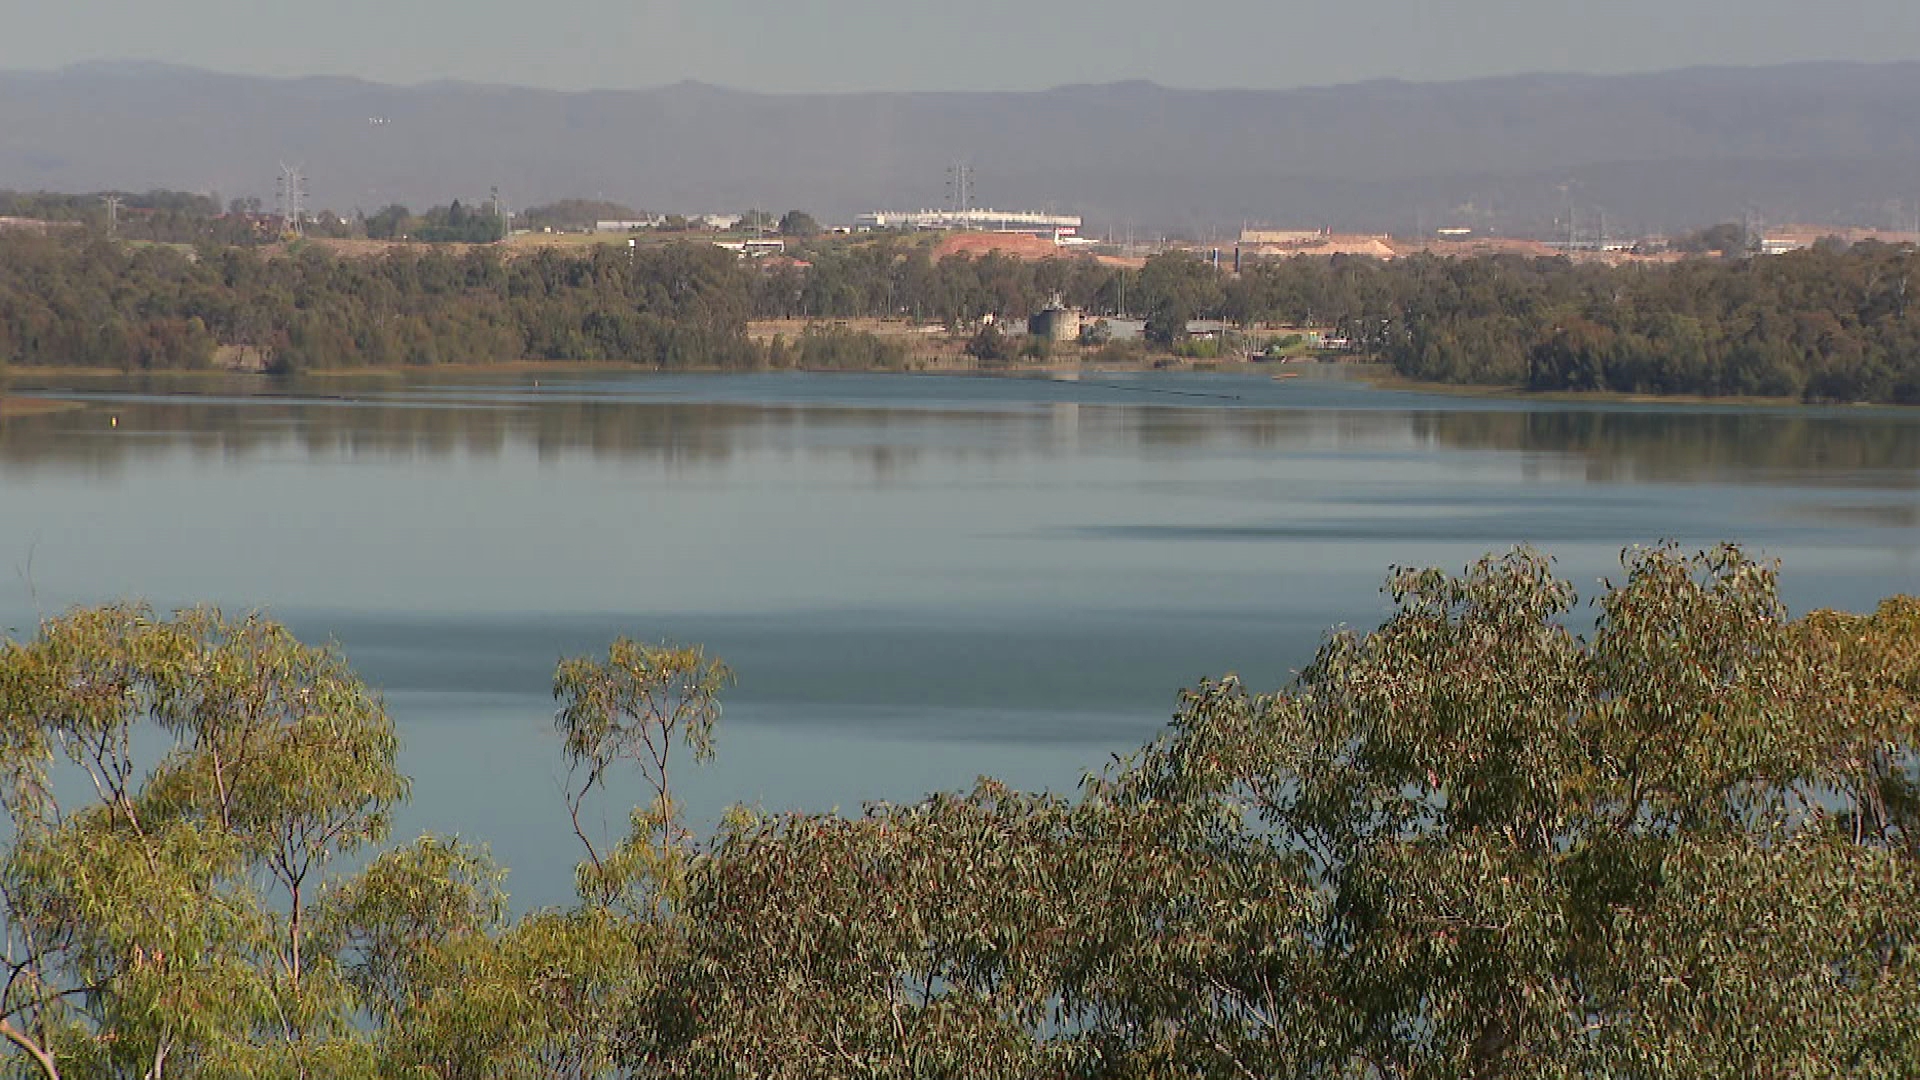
[{"x": 113, "y": 421}]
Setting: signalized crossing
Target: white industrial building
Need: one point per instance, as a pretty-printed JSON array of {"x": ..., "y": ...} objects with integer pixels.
[{"x": 1007, "y": 221}]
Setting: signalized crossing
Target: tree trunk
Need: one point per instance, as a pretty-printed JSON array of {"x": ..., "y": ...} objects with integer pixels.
[{"x": 293, "y": 939}]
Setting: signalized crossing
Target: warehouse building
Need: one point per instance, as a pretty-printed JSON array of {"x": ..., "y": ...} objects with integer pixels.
[{"x": 1003, "y": 221}]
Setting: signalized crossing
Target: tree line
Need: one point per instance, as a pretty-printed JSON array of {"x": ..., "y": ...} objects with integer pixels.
[
  {"x": 1817, "y": 325},
  {"x": 449, "y": 224},
  {"x": 88, "y": 302},
  {"x": 1472, "y": 842}
]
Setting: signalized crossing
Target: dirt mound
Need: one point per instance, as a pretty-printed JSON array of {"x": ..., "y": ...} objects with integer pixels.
[{"x": 1013, "y": 245}]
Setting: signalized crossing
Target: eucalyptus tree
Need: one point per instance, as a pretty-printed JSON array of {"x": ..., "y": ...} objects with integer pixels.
[
  {"x": 630, "y": 712},
  {"x": 995, "y": 933},
  {"x": 892, "y": 944},
  {"x": 1472, "y": 842},
  {"x": 446, "y": 986},
  {"x": 1678, "y": 847},
  {"x": 418, "y": 937},
  {"x": 175, "y": 789}
]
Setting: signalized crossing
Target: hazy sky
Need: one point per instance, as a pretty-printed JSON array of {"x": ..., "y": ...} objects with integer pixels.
[{"x": 986, "y": 44}]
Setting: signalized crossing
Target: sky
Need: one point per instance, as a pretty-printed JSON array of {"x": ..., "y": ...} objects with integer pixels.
[{"x": 853, "y": 45}]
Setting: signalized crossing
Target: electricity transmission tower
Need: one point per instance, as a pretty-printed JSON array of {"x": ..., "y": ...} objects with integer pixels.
[
  {"x": 960, "y": 187},
  {"x": 1753, "y": 231},
  {"x": 292, "y": 192}
]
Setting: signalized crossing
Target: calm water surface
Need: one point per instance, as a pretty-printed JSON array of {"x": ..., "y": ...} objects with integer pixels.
[{"x": 919, "y": 580}]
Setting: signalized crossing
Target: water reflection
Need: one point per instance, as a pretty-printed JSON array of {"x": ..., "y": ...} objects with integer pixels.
[
  {"x": 1722, "y": 444},
  {"x": 1610, "y": 445}
]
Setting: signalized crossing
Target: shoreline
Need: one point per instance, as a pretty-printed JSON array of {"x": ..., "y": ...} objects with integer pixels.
[{"x": 1375, "y": 375}]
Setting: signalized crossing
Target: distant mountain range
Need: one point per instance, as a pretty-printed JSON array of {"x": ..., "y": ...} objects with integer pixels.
[{"x": 1830, "y": 143}]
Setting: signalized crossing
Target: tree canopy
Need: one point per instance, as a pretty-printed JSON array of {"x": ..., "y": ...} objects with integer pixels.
[
  {"x": 798, "y": 223},
  {"x": 99, "y": 304},
  {"x": 1493, "y": 837}
]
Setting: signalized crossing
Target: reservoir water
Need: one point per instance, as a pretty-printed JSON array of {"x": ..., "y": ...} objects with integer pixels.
[{"x": 918, "y": 580}]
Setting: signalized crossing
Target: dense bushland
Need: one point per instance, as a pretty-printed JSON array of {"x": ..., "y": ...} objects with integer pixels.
[
  {"x": 71, "y": 301},
  {"x": 1818, "y": 325}
]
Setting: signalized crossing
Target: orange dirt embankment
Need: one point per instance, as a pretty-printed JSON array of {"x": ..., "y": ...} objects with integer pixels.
[
  {"x": 1014, "y": 245},
  {"x": 1022, "y": 246}
]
